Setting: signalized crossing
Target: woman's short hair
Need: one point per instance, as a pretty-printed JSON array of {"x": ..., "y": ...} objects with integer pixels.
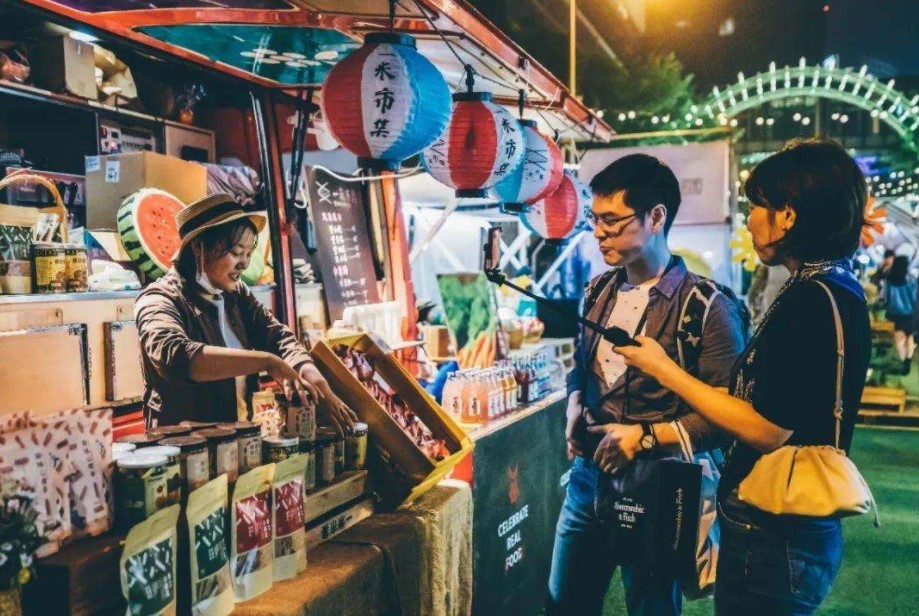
[
  {"x": 216, "y": 241},
  {"x": 898, "y": 271},
  {"x": 827, "y": 190}
]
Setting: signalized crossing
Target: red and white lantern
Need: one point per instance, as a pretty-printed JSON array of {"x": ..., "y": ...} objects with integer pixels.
[
  {"x": 561, "y": 214},
  {"x": 385, "y": 102},
  {"x": 482, "y": 145},
  {"x": 539, "y": 174}
]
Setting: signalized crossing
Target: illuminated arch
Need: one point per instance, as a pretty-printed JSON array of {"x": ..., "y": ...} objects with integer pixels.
[{"x": 856, "y": 88}]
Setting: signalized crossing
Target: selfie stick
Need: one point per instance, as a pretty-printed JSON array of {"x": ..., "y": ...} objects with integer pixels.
[{"x": 615, "y": 335}]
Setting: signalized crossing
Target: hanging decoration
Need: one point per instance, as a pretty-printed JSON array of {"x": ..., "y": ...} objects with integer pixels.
[
  {"x": 538, "y": 175},
  {"x": 561, "y": 214},
  {"x": 385, "y": 102},
  {"x": 481, "y": 145}
]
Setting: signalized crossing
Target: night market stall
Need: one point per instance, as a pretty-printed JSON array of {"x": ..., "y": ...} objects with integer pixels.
[{"x": 115, "y": 117}]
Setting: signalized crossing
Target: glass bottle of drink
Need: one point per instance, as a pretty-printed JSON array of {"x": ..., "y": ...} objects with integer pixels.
[{"x": 510, "y": 389}]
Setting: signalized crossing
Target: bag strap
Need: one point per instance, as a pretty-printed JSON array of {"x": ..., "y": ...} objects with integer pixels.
[
  {"x": 685, "y": 441},
  {"x": 840, "y": 360}
]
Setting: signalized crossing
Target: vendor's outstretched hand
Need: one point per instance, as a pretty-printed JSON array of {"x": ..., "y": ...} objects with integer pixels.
[
  {"x": 331, "y": 410},
  {"x": 649, "y": 356}
]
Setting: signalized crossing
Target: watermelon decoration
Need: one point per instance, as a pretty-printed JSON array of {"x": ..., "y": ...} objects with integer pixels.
[{"x": 147, "y": 224}]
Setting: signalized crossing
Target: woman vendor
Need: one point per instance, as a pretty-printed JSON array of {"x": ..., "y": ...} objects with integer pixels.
[{"x": 204, "y": 338}]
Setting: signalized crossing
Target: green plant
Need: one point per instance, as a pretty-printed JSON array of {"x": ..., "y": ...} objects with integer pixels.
[{"x": 19, "y": 538}]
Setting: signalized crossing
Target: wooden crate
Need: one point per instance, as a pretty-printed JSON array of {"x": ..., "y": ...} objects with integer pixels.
[
  {"x": 884, "y": 398},
  {"x": 400, "y": 472},
  {"x": 345, "y": 489}
]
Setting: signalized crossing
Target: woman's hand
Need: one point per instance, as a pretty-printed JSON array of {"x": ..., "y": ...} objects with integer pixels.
[
  {"x": 649, "y": 357},
  {"x": 330, "y": 407}
]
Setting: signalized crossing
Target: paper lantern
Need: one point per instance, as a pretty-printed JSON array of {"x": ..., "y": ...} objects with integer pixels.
[
  {"x": 562, "y": 213},
  {"x": 385, "y": 102},
  {"x": 482, "y": 145},
  {"x": 538, "y": 175}
]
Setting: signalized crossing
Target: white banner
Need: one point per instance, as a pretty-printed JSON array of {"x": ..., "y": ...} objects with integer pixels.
[{"x": 701, "y": 168}]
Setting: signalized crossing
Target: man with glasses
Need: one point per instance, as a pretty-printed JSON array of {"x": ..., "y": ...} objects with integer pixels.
[{"x": 615, "y": 414}]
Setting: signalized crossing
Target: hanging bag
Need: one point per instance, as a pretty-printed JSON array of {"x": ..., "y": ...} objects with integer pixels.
[{"x": 811, "y": 480}]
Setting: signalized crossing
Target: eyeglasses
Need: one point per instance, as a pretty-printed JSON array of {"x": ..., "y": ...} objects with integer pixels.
[{"x": 609, "y": 224}]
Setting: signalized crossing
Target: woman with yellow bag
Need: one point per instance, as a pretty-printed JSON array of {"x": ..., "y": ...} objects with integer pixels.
[{"x": 796, "y": 390}]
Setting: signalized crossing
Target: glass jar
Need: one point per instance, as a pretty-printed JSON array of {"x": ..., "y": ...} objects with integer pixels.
[
  {"x": 223, "y": 452},
  {"x": 194, "y": 462},
  {"x": 278, "y": 448},
  {"x": 356, "y": 448}
]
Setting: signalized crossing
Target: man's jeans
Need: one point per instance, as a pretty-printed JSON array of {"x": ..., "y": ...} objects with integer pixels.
[
  {"x": 583, "y": 560},
  {"x": 780, "y": 572}
]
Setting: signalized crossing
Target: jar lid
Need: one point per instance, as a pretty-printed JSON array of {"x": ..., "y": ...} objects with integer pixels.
[
  {"x": 280, "y": 441},
  {"x": 217, "y": 434},
  {"x": 167, "y": 431},
  {"x": 246, "y": 428},
  {"x": 186, "y": 443},
  {"x": 142, "y": 460},
  {"x": 140, "y": 440},
  {"x": 163, "y": 450},
  {"x": 327, "y": 435},
  {"x": 360, "y": 429},
  {"x": 123, "y": 448},
  {"x": 198, "y": 425}
]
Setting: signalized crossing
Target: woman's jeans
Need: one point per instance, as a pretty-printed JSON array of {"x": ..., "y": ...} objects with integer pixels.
[
  {"x": 584, "y": 560},
  {"x": 780, "y": 570}
]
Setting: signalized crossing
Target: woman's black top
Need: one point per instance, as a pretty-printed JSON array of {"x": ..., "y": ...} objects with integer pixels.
[{"x": 788, "y": 372}]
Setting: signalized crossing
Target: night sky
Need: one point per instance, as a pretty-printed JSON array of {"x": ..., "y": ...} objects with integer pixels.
[{"x": 879, "y": 33}]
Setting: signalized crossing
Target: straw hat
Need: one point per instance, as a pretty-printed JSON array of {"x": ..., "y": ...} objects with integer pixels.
[{"x": 209, "y": 212}]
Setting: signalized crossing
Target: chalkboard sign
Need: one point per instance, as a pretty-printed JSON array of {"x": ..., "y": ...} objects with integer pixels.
[{"x": 342, "y": 241}]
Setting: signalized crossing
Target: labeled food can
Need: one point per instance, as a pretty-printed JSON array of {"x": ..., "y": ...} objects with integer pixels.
[
  {"x": 140, "y": 488},
  {"x": 169, "y": 431},
  {"x": 249, "y": 440},
  {"x": 50, "y": 268},
  {"x": 325, "y": 456},
  {"x": 198, "y": 425},
  {"x": 301, "y": 420},
  {"x": 194, "y": 461},
  {"x": 173, "y": 471},
  {"x": 356, "y": 448},
  {"x": 279, "y": 448},
  {"x": 76, "y": 268},
  {"x": 139, "y": 441},
  {"x": 223, "y": 452},
  {"x": 308, "y": 449}
]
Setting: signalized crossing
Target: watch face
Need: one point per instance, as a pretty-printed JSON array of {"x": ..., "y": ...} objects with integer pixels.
[{"x": 647, "y": 441}]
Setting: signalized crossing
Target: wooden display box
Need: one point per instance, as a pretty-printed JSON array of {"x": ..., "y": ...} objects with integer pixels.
[{"x": 400, "y": 472}]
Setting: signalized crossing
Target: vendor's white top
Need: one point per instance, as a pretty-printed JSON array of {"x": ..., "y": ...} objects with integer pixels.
[{"x": 631, "y": 302}]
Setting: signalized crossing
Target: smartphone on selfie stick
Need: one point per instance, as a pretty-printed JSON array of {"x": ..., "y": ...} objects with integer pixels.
[{"x": 492, "y": 267}]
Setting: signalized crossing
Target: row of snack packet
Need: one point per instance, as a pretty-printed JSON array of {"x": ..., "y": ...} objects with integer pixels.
[
  {"x": 267, "y": 543},
  {"x": 63, "y": 462}
]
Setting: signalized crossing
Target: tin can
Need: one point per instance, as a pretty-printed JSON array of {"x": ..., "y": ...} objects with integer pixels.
[
  {"x": 198, "y": 425},
  {"x": 76, "y": 268},
  {"x": 194, "y": 462},
  {"x": 140, "y": 441},
  {"x": 249, "y": 440},
  {"x": 301, "y": 420},
  {"x": 173, "y": 471},
  {"x": 141, "y": 491},
  {"x": 169, "y": 431},
  {"x": 308, "y": 449},
  {"x": 223, "y": 452},
  {"x": 356, "y": 448},
  {"x": 50, "y": 268},
  {"x": 325, "y": 456},
  {"x": 278, "y": 448}
]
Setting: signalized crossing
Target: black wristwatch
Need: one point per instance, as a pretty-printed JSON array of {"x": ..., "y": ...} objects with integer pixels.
[{"x": 648, "y": 439}]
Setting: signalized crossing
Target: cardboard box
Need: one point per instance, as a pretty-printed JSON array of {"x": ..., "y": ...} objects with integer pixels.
[
  {"x": 109, "y": 179},
  {"x": 63, "y": 64},
  {"x": 399, "y": 471}
]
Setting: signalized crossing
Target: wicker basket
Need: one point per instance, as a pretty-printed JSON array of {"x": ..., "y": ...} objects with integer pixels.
[{"x": 23, "y": 176}]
